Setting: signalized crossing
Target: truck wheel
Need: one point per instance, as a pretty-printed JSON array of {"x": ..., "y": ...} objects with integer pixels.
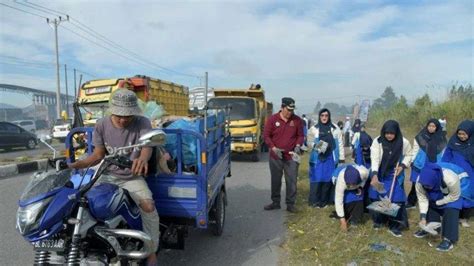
[{"x": 218, "y": 214}]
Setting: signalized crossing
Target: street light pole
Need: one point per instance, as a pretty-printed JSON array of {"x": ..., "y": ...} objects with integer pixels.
[{"x": 55, "y": 23}]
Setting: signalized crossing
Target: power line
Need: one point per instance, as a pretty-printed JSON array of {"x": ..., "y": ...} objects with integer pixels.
[
  {"x": 22, "y": 61},
  {"x": 45, "y": 8},
  {"x": 81, "y": 26},
  {"x": 24, "y": 11},
  {"x": 83, "y": 72},
  {"x": 100, "y": 45},
  {"x": 25, "y": 65}
]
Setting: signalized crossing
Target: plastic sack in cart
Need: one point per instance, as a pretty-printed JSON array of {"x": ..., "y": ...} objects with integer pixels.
[
  {"x": 151, "y": 109},
  {"x": 189, "y": 143}
]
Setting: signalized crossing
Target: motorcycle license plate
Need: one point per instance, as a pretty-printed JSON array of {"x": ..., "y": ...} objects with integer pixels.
[{"x": 49, "y": 245}]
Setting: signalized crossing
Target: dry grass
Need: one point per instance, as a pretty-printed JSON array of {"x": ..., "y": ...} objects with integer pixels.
[{"x": 314, "y": 238}]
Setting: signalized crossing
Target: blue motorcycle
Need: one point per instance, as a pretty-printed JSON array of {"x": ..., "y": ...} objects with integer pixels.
[{"x": 69, "y": 220}]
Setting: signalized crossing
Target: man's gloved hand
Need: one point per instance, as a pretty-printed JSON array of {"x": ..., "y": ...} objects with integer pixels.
[
  {"x": 278, "y": 152},
  {"x": 298, "y": 150}
]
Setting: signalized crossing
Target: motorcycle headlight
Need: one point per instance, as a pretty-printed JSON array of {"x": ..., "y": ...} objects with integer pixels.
[
  {"x": 28, "y": 217},
  {"x": 248, "y": 139}
]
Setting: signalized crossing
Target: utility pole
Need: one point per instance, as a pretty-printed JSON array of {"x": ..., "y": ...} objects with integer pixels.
[
  {"x": 67, "y": 93},
  {"x": 79, "y": 87},
  {"x": 205, "y": 104},
  {"x": 75, "y": 84},
  {"x": 55, "y": 23}
]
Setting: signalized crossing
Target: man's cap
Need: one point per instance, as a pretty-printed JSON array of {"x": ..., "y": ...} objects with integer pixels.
[
  {"x": 124, "y": 103},
  {"x": 288, "y": 103}
]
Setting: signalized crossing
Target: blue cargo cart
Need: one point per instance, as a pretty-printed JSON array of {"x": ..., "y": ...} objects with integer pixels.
[{"x": 195, "y": 194}]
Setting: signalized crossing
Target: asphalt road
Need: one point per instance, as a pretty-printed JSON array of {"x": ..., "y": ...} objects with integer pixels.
[{"x": 251, "y": 235}]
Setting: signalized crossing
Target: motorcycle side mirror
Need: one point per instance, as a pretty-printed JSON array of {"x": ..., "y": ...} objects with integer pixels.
[
  {"x": 153, "y": 138},
  {"x": 46, "y": 140}
]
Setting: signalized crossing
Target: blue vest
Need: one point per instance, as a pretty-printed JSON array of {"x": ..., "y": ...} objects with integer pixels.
[
  {"x": 313, "y": 159},
  {"x": 349, "y": 195},
  {"x": 464, "y": 179},
  {"x": 421, "y": 158},
  {"x": 359, "y": 160}
]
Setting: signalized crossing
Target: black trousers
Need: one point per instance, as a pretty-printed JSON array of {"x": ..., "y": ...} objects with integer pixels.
[
  {"x": 290, "y": 169},
  {"x": 320, "y": 194},
  {"x": 449, "y": 224},
  {"x": 399, "y": 222},
  {"x": 466, "y": 213},
  {"x": 347, "y": 139},
  {"x": 412, "y": 198},
  {"x": 354, "y": 211}
]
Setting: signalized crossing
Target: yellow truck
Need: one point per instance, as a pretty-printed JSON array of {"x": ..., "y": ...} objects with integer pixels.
[
  {"x": 248, "y": 114},
  {"x": 94, "y": 95}
]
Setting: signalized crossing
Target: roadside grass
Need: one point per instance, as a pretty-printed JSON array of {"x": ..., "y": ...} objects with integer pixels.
[{"x": 313, "y": 238}]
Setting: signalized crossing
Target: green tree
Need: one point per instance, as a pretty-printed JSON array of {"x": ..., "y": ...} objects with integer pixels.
[
  {"x": 423, "y": 101},
  {"x": 386, "y": 100}
]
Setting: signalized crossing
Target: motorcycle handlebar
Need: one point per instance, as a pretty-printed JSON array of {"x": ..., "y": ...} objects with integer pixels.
[{"x": 120, "y": 161}]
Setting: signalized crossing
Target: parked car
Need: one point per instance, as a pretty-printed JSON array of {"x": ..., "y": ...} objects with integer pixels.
[
  {"x": 12, "y": 136},
  {"x": 26, "y": 124},
  {"x": 41, "y": 124},
  {"x": 61, "y": 128}
]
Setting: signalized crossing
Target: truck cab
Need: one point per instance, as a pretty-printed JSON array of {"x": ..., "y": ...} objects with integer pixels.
[{"x": 247, "y": 118}]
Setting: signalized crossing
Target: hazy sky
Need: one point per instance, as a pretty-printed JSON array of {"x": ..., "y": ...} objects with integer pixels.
[{"x": 310, "y": 50}]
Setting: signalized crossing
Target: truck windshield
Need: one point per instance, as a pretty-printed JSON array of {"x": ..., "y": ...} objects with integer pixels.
[
  {"x": 94, "y": 111},
  {"x": 242, "y": 108}
]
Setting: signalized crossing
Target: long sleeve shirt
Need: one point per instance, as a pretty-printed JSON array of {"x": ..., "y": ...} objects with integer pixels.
[
  {"x": 313, "y": 134},
  {"x": 451, "y": 179},
  {"x": 341, "y": 187},
  {"x": 376, "y": 154},
  {"x": 283, "y": 134}
]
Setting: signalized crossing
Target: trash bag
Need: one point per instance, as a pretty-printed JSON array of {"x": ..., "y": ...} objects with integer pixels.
[
  {"x": 189, "y": 143},
  {"x": 151, "y": 109}
]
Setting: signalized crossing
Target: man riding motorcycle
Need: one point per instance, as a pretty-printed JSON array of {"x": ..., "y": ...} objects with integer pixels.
[{"x": 123, "y": 128}]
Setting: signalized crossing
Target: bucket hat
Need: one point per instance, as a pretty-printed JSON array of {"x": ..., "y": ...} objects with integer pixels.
[{"x": 124, "y": 103}]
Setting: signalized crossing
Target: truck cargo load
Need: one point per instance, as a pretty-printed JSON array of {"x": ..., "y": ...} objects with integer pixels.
[{"x": 94, "y": 95}]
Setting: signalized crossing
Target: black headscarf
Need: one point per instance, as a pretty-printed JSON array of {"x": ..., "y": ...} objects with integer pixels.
[
  {"x": 365, "y": 139},
  {"x": 356, "y": 126},
  {"x": 392, "y": 150},
  {"x": 325, "y": 134},
  {"x": 466, "y": 148},
  {"x": 431, "y": 143}
]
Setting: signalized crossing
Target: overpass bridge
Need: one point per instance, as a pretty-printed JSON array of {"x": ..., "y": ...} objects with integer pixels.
[{"x": 42, "y": 101}]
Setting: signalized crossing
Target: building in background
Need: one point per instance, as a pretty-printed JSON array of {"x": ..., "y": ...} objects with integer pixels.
[
  {"x": 196, "y": 97},
  {"x": 9, "y": 112}
]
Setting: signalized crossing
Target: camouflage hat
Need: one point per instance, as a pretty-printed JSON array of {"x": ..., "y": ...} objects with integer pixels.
[{"x": 124, "y": 103}]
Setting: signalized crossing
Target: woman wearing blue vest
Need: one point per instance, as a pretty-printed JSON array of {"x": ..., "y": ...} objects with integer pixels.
[
  {"x": 349, "y": 194},
  {"x": 460, "y": 151},
  {"x": 325, "y": 139},
  {"x": 390, "y": 154},
  {"x": 361, "y": 142},
  {"x": 438, "y": 188},
  {"x": 428, "y": 146}
]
